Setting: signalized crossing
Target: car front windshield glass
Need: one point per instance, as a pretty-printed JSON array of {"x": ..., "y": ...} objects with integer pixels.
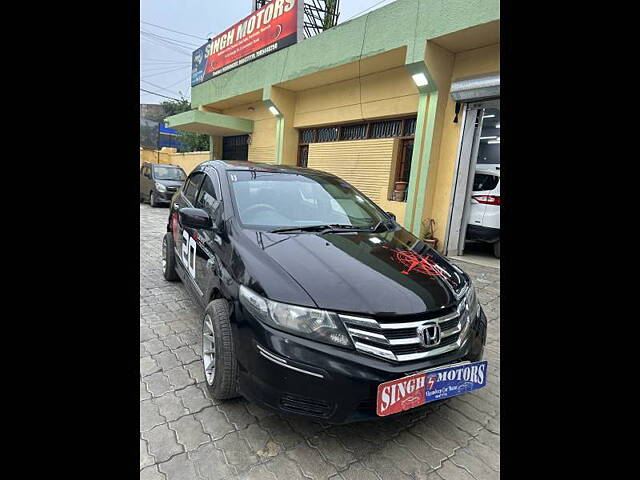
[
  {"x": 168, "y": 173},
  {"x": 274, "y": 200}
]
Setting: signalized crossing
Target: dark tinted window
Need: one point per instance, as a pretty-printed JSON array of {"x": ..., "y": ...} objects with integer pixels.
[
  {"x": 484, "y": 181},
  {"x": 192, "y": 185},
  {"x": 268, "y": 200},
  {"x": 207, "y": 198}
]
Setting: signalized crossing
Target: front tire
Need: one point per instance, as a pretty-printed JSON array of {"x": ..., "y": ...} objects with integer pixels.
[
  {"x": 218, "y": 352},
  {"x": 496, "y": 249},
  {"x": 169, "y": 258},
  {"x": 152, "y": 199}
]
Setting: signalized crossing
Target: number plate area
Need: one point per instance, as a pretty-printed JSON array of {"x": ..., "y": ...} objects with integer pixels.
[{"x": 439, "y": 383}]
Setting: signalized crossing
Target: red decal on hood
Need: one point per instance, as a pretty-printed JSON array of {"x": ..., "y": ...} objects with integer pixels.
[{"x": 417, "y": 263}]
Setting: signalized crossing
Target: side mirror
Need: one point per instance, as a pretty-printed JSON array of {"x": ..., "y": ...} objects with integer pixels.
[
  {"x": 195, "y": 218},
  {"x": 391, "y": 216}
]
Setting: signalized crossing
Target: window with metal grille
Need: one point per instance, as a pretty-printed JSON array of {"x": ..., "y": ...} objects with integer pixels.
[
  {"x": 409, "y": 127},
  {"x": 307, "y": 136},
  {"x": 388, "y": 129},
  {"x": 354, "y": 132},
  {"x": 329, "y": 134},
  {"x": 398, "y": 127}
]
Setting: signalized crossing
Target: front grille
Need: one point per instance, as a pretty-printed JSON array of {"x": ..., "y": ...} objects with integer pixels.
[
  {"x": 172, "y": 189},
  {"x": 398, "y": 340},
  {"x": 305, "y": 405}
]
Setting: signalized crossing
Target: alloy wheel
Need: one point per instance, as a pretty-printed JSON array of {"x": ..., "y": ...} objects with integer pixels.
[
  {"x": 208, "y": 349},
  {"x": 164, "y": 255}
]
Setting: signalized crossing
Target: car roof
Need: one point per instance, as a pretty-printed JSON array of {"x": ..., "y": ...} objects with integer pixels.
[
  {"x": 243, "y": 165},
  {"x": 164, "y": 165}
]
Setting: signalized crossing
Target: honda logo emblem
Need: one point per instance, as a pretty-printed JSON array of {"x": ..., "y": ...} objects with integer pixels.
[{"x": 429, "y": 334}]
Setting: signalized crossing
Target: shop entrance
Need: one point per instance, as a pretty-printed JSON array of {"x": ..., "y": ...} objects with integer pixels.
[
  {"x": 235, "y": 147},
  {"x": 474, "y": 218}
]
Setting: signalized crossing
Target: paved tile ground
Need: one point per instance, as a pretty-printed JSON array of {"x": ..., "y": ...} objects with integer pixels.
[{"x": 185, "y": 435}]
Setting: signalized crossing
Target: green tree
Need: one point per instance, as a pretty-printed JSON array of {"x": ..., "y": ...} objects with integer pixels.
[
  {"x": 331, "y": 17},
  {"x": 189, "y": 142}
]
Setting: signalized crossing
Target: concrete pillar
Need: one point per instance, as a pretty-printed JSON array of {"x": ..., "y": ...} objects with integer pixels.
[
  {"x": 215, "y": 147},
  {"x": 286, "y": 134}
]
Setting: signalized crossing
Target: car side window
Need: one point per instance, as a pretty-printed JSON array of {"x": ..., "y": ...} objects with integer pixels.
[
  {"x": 191, "y": 186},
  {"x": 483, "y": 181},
  {"x": 207, "y": 198}
]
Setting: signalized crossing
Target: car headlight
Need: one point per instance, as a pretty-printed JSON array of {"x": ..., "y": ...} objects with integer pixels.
[
  {"x": 160, "y": 187},
  {"x": 310, "y": 323}
]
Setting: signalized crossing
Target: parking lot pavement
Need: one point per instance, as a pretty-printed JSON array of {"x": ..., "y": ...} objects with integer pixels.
[{"x": 184, "y": 434}]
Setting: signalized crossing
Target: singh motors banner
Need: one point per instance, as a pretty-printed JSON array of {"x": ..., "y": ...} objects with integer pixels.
[{"x": 271, "y": 28}]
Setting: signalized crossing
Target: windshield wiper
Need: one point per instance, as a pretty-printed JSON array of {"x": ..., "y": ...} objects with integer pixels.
[
  {"x": 320, "y": 228},
  {"x": 308, "y": 228}
]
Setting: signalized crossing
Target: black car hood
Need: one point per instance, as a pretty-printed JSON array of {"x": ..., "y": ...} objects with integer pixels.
[{"x": 384, "y": 274}]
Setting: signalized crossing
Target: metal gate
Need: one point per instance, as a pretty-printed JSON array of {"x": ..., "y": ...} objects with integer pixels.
[
  {"x": 463, "y": 179},
  {"x": 235, "y": 147}
]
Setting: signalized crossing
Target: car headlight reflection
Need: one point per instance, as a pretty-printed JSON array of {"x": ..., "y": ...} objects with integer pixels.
[
  {"x": 469, "y": 306},
  {"x": 472, "y": 299},
  {"x": 310, "y": 323}
]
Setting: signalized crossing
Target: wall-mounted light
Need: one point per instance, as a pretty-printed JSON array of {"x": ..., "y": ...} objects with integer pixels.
[
  {"x": 488, "y": 116},
  {"x": 274, "y": 110},
  {"x": 494, "y": 141},
  {"x": 420, "y": 79},
  {"x": 488, "y": 138}
]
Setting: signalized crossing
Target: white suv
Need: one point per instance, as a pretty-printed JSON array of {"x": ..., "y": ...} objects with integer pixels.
[{"x": 484, "y": 220}]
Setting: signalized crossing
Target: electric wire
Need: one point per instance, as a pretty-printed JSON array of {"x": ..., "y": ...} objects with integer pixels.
[
  {"x": 169, "y": 39},
  {"x": 174, "y": 31},
  {"x": 366, "y": 9},
  {"x": 158, "y": 94}
]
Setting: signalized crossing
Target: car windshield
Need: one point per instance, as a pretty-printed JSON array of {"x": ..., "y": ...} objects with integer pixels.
[
  {"x": 169, "y": 173},
  {"x": 273, "y": 201}
]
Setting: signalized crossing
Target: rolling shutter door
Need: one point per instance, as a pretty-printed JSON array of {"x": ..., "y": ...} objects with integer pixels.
[
  {"x": 477, "y": 88},
  {"x": 365, "y": 164}
]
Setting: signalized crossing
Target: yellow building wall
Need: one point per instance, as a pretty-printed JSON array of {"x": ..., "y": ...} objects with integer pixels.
[
  {"x": 365, "y": 164},
  {"x": 440, "y": 183},
  {"x": 188, "y": 161},
  {"x": 390, "y": 93}
]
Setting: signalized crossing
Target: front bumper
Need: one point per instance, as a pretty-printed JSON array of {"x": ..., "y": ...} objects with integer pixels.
[
  {"x": 164, "y": 197},
  {"x": 301, "y": 377},
  {"x": 480, "y": 233}
]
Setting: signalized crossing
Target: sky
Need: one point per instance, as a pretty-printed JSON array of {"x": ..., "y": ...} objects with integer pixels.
[{"x": 165, "y": 56}]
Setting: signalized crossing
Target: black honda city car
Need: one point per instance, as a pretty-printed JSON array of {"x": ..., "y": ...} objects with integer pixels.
[{"x": 315, "y": 301}]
